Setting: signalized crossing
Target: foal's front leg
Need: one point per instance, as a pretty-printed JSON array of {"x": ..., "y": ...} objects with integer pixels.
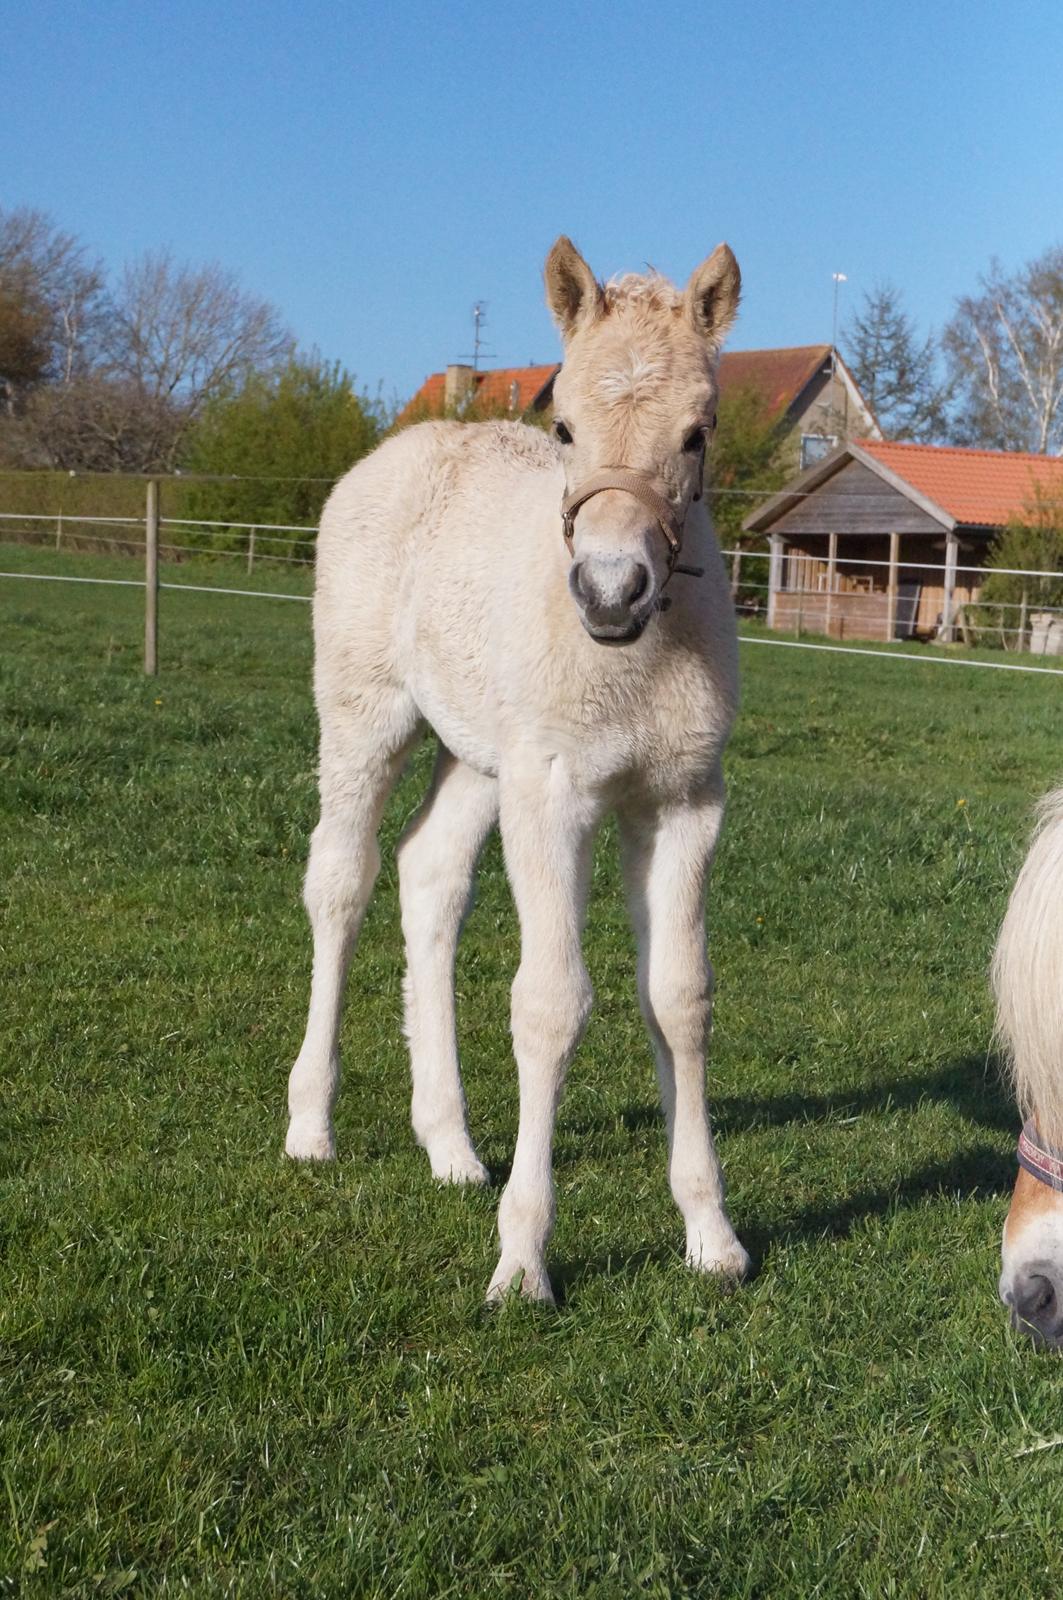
[
  {"x": 547, "y": 832},
  {"x": 667, "y": 855}
]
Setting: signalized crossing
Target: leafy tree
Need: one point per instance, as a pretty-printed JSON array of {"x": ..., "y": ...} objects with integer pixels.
[
  {"x": 304, "y": 423},
  {"x": 748, "y": 453},
  {"x": 749, "y": 456},
  {"x": 1031, "y": 542},
  {"x": 1004, "y": 349},
  {"x": 896, "y": 373}
]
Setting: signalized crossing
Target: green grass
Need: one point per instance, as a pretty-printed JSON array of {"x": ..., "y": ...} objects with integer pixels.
[{"x": 220, "y": 1374}]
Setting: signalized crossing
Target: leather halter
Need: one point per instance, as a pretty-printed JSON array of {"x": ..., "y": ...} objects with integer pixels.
[
  {"x": 1041, "y": 1161},
  {"x": 653, "y": 495}
]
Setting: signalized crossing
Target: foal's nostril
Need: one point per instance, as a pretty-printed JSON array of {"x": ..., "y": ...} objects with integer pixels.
[
  {"x": 634, "y": 586},
  {"x": 575, "y": 579}
]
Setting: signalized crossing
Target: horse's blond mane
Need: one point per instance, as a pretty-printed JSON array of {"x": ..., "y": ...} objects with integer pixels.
[{"x": 1028, "y": 976}]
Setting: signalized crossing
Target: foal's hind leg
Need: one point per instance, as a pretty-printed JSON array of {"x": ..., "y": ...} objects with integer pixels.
[
  {"x": 437, "y": 860},
  {"x": 666, "y": 857},
  {"x": 361, "y": 758}
]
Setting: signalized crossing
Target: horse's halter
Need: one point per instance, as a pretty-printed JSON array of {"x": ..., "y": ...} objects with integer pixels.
[
  {"x": 654, "y": 496},
  {"x": 1039, "y": 1160}
]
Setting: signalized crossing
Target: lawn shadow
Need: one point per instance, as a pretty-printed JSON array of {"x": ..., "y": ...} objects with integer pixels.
[
  {"x": 972, "y": 1085},
  {"x": 979, "y": 1171}
]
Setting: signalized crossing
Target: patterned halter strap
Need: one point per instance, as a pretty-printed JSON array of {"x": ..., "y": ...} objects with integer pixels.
[{"x": 1042, "y": 1162}]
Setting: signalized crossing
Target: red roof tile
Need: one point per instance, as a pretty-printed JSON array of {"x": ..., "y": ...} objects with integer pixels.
[
  {"x": 493, "y": 389},
  {"x": 983, "y": 487},
  {"x": 779, "y": 375}
]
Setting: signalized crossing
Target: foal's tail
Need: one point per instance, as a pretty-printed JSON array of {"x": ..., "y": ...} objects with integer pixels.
[{"x": 1028, "y": 975}]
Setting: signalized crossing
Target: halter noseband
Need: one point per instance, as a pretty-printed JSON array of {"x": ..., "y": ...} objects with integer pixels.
[
  {"x": 654, "y": 496},
  {"x": 1041, "y": 1161}
]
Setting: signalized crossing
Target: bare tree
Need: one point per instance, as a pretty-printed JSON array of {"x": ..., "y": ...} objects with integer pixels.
[
  {"x": 1004, "y": 349},
  {"x": 111, "y": 382},
  {"x": 179, "y": 334},
  {"x": 96, "y": 423},
  {"x": 52, "y": 305}
]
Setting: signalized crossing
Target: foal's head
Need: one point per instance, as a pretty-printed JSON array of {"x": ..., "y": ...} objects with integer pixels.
[{"x": 638, "y": 391}]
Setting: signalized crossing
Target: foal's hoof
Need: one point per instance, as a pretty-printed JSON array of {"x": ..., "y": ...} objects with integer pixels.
[
  {"x": 460, "y": 1166},
  {"x": 728, "y": 1262},
  {"x": 309, "y": 1140},
  {"x": 516, "y": 1282}
]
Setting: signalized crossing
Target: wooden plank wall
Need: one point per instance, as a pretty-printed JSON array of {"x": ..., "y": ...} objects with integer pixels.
[{"x": 855, "y": 501}]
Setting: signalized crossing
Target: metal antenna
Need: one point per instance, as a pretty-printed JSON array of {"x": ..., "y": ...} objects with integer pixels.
[{"x": 479, "y": 322}]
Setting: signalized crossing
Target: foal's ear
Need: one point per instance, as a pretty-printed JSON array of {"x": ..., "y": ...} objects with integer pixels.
[
  {"x": 573, "y": 293},
  {"x": 711, "y": 297}
]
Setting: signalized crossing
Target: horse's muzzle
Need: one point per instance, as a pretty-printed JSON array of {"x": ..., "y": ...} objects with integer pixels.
[
  {"x": 616, "y": 596},
  {"x": 1036, "y": 1307}
]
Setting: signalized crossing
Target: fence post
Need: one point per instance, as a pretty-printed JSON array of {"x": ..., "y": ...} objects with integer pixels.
[
  {"x": 251, "y": 550},
  {"x": 1022, "y": 618},
  {"x": 58, "y": 530},
  {"x": 151, "y": 580},
  {"x": 891, "y": 591},
  {"x": 776, "y": 575},
  {"x": 948, "y": 632}
]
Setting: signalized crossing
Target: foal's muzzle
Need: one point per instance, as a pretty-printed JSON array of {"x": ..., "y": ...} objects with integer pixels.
[{"x": 616, "y": 596}]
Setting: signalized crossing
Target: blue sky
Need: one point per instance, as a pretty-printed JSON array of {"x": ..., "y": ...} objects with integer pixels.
[{"x": 374, "y": 170}]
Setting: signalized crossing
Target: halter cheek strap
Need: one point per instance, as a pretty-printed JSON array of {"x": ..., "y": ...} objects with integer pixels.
[
  {"x": 653, "y": 495},
  {"x": 1041, "y": 1161}
]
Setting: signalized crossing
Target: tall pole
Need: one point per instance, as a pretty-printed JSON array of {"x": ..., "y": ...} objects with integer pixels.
[
  {"x": 151, "y": 580},
  {"x": 839, "y": 278}
]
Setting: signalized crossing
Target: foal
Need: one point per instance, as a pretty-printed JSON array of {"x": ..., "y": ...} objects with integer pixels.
[{"x": 516, "y": 593}]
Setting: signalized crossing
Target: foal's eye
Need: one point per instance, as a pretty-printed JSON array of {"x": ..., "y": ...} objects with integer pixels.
[
  {"x": 694, "y": 442},
  {"x": 561, "y": 432}
]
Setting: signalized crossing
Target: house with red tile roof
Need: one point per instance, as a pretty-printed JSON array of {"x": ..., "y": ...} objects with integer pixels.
[
  {"x": 817, "y": 399},
  {"x": 502, "y": 391},
  {"x": 883, "y": 540}
]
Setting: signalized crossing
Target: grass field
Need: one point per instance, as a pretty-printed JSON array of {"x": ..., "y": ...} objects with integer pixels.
[{"x": 221, "y": 1374}]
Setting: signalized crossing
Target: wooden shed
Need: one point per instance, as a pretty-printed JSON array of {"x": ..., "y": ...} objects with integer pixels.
[{"x": 888, "y": 541}]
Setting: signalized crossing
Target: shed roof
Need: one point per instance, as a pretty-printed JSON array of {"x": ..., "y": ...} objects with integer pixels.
[
  {"x": 979, "y": 488},
  {"x": 958, "y": 487}
]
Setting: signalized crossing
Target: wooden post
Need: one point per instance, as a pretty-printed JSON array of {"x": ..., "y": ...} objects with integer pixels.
[
  {"x": 250, "y": 551},
  {"x": 775, "y": 574},
  {"x": 151, "y": 580},
  {"x": 736, "y": 573},
  {"x": 58, "y": 530},
  {"x": 952, "y": 545},
  {"x": 832, "y": 569},
  {"x": 1022, "y": 619},
  {"x": 891, "y": 593}
]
